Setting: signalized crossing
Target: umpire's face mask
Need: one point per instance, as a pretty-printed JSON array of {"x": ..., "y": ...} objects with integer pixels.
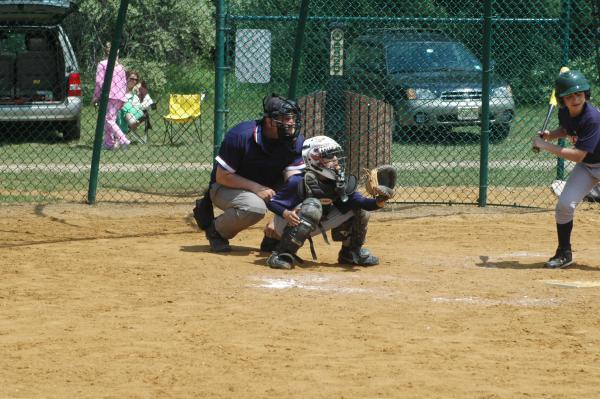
[{"x": 288, "y": 128}]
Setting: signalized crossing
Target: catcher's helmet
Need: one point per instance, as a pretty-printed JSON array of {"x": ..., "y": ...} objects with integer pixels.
[
  {"x": 280, "y": 109},
  {"x": 571, "y": 82},
  {"x": 324, "y": 156}
]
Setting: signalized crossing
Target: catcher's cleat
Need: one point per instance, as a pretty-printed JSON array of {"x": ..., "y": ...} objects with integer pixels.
[
  {"x": 562, "y": 258},
  {"x": 359, "y": 257},
  {"x": 217, "y": 243},
  {"x": 268, "y": 244},
  {"x": 281, "y": 261}
]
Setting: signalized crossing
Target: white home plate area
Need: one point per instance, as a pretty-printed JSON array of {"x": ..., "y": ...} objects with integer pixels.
[
  {"x": 391, "y": 287},
  {"x": 323, "y": 283}
]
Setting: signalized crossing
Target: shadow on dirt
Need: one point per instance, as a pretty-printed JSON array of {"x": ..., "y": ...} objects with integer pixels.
[{"x": 537, "y": 265}]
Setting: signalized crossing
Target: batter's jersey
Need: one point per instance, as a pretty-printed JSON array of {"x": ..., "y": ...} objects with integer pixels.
[
  {"x": 586, "y": 126},
  {"x": 245, "y": 152}
]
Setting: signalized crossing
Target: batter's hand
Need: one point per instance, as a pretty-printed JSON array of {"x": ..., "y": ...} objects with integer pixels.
[
  {"x": 538, "y": 142},
  {"x": 265, "y": 193},
  {"x": 292, "y": 217},
  {"x": 544, "y": 135}
]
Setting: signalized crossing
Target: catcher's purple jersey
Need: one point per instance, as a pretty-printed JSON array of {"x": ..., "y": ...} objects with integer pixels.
[
  {"x": 586, "y": 127},
  {"x": 246, "y": 152},
  {"x": 288, "y": 197}
]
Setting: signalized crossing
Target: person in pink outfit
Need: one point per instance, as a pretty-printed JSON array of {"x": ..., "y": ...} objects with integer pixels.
[{"x": 113, "y": 135}]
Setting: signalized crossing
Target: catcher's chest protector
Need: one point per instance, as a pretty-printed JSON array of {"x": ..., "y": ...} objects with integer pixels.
[
  {"x": 323, "y": 190},
  {"x": 313, "y": 187}
]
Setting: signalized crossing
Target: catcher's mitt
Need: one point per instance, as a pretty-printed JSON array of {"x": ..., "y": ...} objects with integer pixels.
[{"x": 381, "y": 181}]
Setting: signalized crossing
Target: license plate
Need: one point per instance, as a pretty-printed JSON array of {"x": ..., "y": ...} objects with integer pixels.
[{"x": 468, "y": 114}]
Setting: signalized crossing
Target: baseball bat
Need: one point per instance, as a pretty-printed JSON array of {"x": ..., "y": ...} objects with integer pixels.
[{"x": 552, "y": 103}]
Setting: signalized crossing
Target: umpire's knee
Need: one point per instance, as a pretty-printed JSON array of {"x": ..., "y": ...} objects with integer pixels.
[
  {"x": 249, "y": 217},
  {"x": 564, "y": 211},
  {"x": 240, "y": 217}
]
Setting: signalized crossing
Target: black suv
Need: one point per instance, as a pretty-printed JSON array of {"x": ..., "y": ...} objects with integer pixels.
[{"x": 433, "y": 82}]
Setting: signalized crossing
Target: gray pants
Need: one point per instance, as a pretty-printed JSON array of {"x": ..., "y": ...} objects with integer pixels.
[
  {"x": 241, "y": 209},
  {"x": 334, "y": 219},
  {"x": 580, "y": 182}
]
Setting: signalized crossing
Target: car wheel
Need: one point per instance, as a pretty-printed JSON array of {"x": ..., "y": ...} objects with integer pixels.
[
  {"x": 72, "y": 130},
  {"x": 499, "y": 132}
]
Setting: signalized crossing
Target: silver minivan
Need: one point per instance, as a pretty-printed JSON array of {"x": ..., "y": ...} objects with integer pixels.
[{"x": 39, "y": 75}]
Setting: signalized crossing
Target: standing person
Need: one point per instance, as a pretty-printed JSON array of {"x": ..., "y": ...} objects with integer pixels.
[
  {"x": 113, "y": 135},
  {"x": 254, "y": 159},
  {"x": 320, "y": 200},
  {"x": 580, "y": 122}
]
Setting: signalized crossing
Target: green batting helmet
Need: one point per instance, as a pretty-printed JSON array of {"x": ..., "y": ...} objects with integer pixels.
[{"x": 571, "y": 82}]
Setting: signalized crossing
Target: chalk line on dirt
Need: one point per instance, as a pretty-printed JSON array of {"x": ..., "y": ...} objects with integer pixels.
[
  {"x": 573, "y": 284},
  {"x": 520, "y": 302}
]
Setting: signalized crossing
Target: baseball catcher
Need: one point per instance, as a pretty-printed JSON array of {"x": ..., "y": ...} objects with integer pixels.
[{"x": 322, "y": 199}]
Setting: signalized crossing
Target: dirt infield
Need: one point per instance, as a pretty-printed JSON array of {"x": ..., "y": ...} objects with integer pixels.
[{"x": 118, "y": 301}]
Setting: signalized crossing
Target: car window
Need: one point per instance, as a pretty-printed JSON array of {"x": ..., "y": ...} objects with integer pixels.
[
  {"x": 430, "y": 56},
  {"x": 362, "y": 55},
  {"x": 12, "y": 42}
]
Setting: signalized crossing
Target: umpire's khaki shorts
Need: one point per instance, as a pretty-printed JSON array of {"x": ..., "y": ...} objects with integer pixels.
[{"x": 241, "y": 209}]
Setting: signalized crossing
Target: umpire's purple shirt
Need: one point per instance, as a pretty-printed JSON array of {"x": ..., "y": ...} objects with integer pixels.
[{"x": 245, "y": 152}]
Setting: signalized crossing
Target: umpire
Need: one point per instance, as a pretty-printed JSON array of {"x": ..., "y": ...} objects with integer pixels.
[{"x": 254, "y": 159}]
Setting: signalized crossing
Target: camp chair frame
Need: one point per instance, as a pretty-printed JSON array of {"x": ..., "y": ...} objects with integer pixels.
[
  {"x": 144, "y": 139},
  {"x": 186, "y": 110}
]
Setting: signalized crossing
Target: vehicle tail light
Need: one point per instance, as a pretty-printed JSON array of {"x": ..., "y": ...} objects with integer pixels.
[{"x": 74, "y": 89}]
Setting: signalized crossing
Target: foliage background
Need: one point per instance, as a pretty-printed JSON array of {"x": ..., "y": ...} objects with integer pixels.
[
  {"x": 169, "y": 40},
  {"x": 158, "y": 35}
]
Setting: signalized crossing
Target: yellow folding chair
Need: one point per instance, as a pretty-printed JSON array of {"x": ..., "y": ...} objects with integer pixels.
[{"x": 184, "y": 110}]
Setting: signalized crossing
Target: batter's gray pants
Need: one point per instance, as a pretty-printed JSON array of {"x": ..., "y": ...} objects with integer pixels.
[
  {"x": 241, "y": 209},
  {"x": 580, "y": 182}
]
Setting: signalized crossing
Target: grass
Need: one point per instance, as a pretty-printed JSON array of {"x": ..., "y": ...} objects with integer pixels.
[{"x": 183, "y": 168}]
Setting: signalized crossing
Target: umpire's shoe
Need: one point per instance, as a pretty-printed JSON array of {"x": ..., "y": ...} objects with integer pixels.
[
  {"x": 562, "y": 258},
  {"x": 281, "y": 260},
  {"x": 217, "y": 243},
  {"x": 359, "y": 256}
]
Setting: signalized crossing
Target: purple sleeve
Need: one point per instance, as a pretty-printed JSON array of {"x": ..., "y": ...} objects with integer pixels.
[
  {"x": 100, "y": 72},
  {"x": 231, "y": 153},
  {"x": 297, "y": 164},
  {"x": 356, "y": 200},
  {"x": 287, "y": 197}
]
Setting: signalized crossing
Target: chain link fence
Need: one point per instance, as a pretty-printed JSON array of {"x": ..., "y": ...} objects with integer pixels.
[
  {"x": 394, "y": 82},
  {"x": 50, "y": 55}
]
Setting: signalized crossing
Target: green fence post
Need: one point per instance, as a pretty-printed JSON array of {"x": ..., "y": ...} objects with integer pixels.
[
  {"x": 566, "y": 31},
  {"x": 485, "y": 104},
  {"x": 112, "y": 57},
  {"x": 219, "y": 76},
  {"x": 297, "y": 57}
]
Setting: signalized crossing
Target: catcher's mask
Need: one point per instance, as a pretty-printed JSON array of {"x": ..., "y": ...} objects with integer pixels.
[
  {"x": 286, "y": 115},
  {"x": 324, "y": 156}
]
